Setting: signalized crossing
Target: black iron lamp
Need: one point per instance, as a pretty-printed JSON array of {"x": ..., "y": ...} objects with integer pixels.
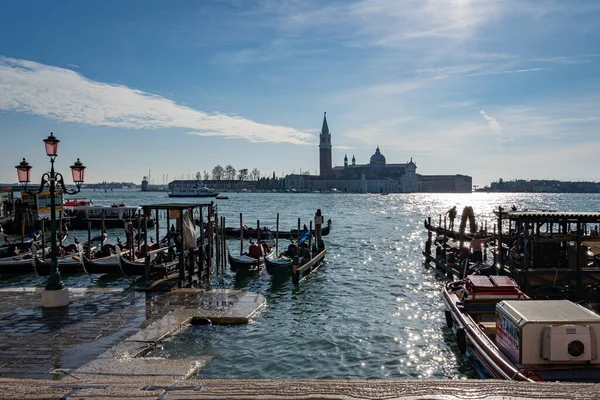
[{"x": 53, "y": 180}]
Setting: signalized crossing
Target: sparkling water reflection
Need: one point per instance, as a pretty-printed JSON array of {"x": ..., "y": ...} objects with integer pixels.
[{"x": 372, "y": 311}]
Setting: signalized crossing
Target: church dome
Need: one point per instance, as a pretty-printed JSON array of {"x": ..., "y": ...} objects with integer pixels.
[{"x": 377, "y": 158}]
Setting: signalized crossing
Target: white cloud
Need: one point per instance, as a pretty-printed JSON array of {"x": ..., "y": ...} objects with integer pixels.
[
  {"x": 492, "y": 122},
  {"x": 67, "y": 96}
]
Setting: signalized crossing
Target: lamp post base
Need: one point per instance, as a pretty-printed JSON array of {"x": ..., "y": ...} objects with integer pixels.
[{"x": 55, "y": 298}]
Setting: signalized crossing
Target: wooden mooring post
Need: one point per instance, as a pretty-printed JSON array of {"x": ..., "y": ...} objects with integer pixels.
[
  {"x": 299, "y": 271},
  {"x": 217, "y": 245},
  {"x": 277, "y": 236},
  {"x": 43, "y": 241},
  {"x": 241, "y": 236},
  {"x": 224, "y": 249}
]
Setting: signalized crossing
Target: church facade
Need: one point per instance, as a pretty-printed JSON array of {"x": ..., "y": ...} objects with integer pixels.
[{"x": 375, "y": 177}]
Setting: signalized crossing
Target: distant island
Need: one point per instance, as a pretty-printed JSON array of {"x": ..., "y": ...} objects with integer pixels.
[{"x": 541, "y": 186}]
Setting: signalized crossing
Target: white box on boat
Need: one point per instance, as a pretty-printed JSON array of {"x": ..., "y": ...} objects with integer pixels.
[{"x": 547, "y": 332}]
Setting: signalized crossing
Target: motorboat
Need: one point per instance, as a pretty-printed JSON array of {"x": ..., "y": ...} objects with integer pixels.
[{"x": 506, "y": 335}]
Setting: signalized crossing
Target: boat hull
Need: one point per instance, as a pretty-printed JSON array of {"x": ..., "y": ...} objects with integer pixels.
[
  {"x": 475, "y": 340},
  {"x": 193, "y": 194},
  {"x": 68, "y": 265},
  {"x": 246, "y": 264},
  {"x": 104, "y": 265}
]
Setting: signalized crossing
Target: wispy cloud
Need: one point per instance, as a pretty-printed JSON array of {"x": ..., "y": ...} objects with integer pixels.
[
  {"x": 67, "y": 96},
  {"x": 510, "y": 71},
  {"x": 492, "y": 122}
]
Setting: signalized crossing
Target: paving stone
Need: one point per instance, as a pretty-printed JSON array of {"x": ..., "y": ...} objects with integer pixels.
[
  {"x": 141, "y": 367},
  {"x": 169, "y": 324}
]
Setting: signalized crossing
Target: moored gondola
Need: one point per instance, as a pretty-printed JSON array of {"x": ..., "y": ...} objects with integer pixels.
[
  {"x": 19, "y": 264},
  {"x": 254, "y": 260},
  {"x": 71, "y": 264}
]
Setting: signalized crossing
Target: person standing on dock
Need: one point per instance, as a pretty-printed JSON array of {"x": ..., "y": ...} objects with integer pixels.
[
  {"x": 476, "y": 248},
  {"x": 452, "y": 215}
]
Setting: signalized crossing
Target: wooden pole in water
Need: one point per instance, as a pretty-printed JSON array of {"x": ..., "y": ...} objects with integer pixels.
[
  {"x": 103, "y": 227},
  {"x": 241, "y": 236},
  {"x": 23, "y": 226},
  {"x": 310, "y": 239},
  {"x": 257, "y": 231},
  {"x": 211, "y": 234},
  {"x": 298, "y": 239},
  {"x": 201, "y": 251},
  {"x": 60, "y": 227},
  {"x": 168, "y": 234},
  {"x": 156, "y": 226},
  {"x": 500, "y": 241},
  {"x": 217, "y": 245},
  {"x": 224, "y": 246},
  {"x": 496, "y": 252},
  {"x": 43, "y": 242},
  {"x": 181, "y": 260},
  {"x": 139, "y": 231},
  {"x": 440, "y": 220},
  {"x": 277, "y": 235},
  {"x": 89, "y": 241},
  {"x": 429, "y": 237}
]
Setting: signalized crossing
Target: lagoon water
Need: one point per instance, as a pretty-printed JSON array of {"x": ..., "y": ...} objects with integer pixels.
[{"x": 373, "y": 311}]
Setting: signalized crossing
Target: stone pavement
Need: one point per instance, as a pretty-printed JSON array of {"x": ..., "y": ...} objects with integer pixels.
[
  {"x": 103, "y": 325},
  {"x": 156, "y": 388}
]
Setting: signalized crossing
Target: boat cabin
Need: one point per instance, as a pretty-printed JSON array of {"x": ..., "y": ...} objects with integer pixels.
[{"x": 551, "y": 253}]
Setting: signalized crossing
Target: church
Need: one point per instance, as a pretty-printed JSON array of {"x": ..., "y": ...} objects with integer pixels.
[{"x": 375, "y": 177}]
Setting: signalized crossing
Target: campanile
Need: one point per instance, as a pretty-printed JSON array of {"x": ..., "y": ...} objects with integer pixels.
[{"x": 325, "y": 150}]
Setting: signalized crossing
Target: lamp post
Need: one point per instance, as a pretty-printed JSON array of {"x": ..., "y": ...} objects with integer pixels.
[{"x": 55, "y": 294}]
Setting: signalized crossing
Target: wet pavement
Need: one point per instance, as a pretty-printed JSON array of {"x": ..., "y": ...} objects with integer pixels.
[{"x": 43, "y": 343}]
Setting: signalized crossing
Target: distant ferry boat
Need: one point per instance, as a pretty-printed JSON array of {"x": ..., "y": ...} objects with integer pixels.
[{"x": 190, "y": 188}]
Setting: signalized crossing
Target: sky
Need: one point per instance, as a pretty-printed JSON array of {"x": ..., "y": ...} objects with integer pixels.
[{"x": 492, "y": 89}]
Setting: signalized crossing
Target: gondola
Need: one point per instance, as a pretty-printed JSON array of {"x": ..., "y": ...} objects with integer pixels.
[
  {"x": 283, "y": 265},
  {"x": 250, "y": 233},
  {"x": 104, "y": 261},
  {"x": 293, "y": 234},
  {"x": 254, "y": 260},
  {"x": 19, "y": 264},
  {"x": 71, "y": 264},
  {"x": 137, "y": 267},
  {"x": 102, "y": 265}
]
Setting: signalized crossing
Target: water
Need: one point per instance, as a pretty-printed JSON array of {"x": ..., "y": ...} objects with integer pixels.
[{"x": 373, "y": 311}]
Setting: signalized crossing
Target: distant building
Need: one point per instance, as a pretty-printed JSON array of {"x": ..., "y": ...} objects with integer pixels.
[
  {"x": 375, "y": 177},
  {"x": 543, "y": 186},
  {"x": 445, "y": 183}
]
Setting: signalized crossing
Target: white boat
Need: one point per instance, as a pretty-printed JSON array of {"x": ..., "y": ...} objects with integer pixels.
[
  {"x": 508, "y": 336},
  {"x": 191, "y": 189}
]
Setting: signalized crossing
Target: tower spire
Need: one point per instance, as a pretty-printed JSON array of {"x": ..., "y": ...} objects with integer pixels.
[{"x": 325, "y": 128}]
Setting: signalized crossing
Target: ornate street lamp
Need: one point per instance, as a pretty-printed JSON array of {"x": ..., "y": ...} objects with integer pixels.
[{"x": 55, "y": 293}]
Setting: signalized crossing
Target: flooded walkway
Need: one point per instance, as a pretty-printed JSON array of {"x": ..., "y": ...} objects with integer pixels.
[{"x": 43, "y": 343}]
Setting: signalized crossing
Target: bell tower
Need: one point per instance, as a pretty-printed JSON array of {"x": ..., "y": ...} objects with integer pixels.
[{"x": 325, "y": 150}]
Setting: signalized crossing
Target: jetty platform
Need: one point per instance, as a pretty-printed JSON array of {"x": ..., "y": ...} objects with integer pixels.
[{"x": 97, "y": 347}]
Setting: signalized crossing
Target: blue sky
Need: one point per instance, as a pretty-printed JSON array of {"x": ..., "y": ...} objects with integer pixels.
[{"x": 493, "y": 89}]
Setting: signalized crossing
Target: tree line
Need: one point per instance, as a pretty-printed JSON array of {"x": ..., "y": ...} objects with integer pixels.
[{"x": 230, "y": 173}]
